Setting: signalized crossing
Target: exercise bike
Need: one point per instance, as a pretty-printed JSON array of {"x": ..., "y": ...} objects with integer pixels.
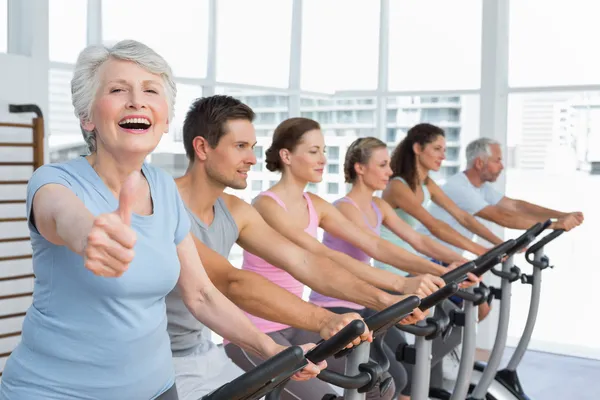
[
  {"x": 419, "y": 355},
  {"x": 487, "y": 382},
  {"x": 462, "y": 383},
  {"x": 269, "y": 378}
]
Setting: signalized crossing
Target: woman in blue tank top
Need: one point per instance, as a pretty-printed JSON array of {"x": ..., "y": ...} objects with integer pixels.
[
  {"x": 110, "y": 239},
  {"x": 423, "y": 150},
  {"x": 410, "y": 190}
]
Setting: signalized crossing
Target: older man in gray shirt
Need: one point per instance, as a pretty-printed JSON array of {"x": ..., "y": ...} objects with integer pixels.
[{"x": 473, "y": 192}]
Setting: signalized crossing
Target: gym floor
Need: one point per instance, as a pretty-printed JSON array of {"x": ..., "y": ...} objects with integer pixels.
[{"x": 546, "y": 376}]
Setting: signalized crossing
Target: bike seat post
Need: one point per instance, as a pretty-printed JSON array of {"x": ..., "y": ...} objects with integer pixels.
[{"x": 359, "y": 356}]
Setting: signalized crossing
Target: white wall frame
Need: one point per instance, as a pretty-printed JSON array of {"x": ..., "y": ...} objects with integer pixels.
[
  {"x": 383, "y": 69},
  {"x": 295, "y": 71}
]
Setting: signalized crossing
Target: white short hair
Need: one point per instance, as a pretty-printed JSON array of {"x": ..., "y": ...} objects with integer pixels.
[
  {"x": 86, "y": 81},
  {"x": 479, "y": 148}
]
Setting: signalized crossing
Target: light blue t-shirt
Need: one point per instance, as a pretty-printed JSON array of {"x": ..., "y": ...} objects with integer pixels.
[
  {"x": 89, "y": 337},
  {"x": 467, "y": 197}
]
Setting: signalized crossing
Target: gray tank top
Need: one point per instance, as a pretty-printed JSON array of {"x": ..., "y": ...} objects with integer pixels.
[{"x": 187, "y": 334}]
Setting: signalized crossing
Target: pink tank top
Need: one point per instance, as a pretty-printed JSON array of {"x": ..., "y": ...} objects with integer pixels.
[
  {"x": 337, "y": 244},
  {"x": 277, "y": 275}
]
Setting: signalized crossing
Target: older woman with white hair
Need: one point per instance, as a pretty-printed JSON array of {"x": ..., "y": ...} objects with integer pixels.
[{"x": 110, "y": 239}]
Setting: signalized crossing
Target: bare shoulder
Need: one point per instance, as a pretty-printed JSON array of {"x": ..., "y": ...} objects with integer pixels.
[
  {"x": 236, "y": 206},
  {"x": 321, "y": 205},
  {"x": 316, "y": 199}
]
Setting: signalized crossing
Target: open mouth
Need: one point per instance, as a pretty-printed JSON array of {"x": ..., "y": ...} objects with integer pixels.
[{"x": 137, "y": 124}]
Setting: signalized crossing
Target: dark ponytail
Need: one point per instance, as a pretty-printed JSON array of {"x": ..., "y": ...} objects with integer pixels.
[{"x": 404, "y": 160}]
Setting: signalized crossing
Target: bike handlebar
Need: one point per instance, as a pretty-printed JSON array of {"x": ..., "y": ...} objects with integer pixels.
[
  {"x": 335, "y": 344},
  {"x": 391, "y": 315},
  {"x": 544, "y": 241},
  {"x": 438, "y": 296},
  {"x": 384, "y": 319},
  {"x": 260, "y": 380},
  {"x": 480, "y": 265},
  {"x": 278, "y": 369}
]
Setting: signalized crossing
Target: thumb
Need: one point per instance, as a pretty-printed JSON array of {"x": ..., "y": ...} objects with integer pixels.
[{"x": 127, "y": 197}]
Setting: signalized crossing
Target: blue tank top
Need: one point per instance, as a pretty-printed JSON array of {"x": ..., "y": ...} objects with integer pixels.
[{"x": 392, "y": 237}]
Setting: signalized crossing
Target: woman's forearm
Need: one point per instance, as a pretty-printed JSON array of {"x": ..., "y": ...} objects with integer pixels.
[
  {"x": 445, "y": 233},
  {"x": 405, "y": 260},
  {"x": 377, "y": 277},
  {"x": 480, "y": 230},
  {"x": 219, "y": 314},
  {"x": 73, "y": 228},
  {"x": 438, "y": 251}
]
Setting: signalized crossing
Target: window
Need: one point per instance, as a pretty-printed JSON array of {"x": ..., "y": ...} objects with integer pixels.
[
  {"x": 543, "y": 128},
  {"x": 312, "y": 187},
  {"x": 273, "y": 183},
  {"x": 345, "y": 117},
  {"x": 258, "y": 167},
  {"x": 333, "y": 168},
  {"x": 435, "y": 50},
  {"x": 551, "y": 43},
  {"x": 339, "y": 53},
  {"x": 64, "y": 135},
  {"x": 3, "y": 26},
  {"x": 258, "y": 152},
  {"x": 270, "y": 108},
  {"x": 458, "y": 119},
  {"x": 253, "y": 41},
  {"x": 333, "y": 188},
  {"x": 366, "y": 117},
  {"x": 66, "y": 40},
  {"x": 175, "y": 164},
  {"x": 179, "y": 32},
  {"x": 390, "y": 135},
  {"x": 257, "y": 186},
  {"x": 333, "y": 153},
  {"x": 186, "y": 94}
]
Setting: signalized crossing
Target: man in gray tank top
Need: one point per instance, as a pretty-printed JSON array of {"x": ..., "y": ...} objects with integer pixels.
[{"x": 219, "y": 138}]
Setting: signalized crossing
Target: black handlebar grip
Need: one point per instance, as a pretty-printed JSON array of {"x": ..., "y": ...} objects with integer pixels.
[
  {"x": 545, "y": 226},
  {"x": 337, "y": 342},
  {"x": 392, "y": 314},
  {"x": 544, "y": 241},
  {"x": 284, "y": 362},
  {"x": 499, "y": 252},
  {"x": 459, "y": 272},
  {"x": 438, "y": 296},
  {"x": 500, "y": 249},
  {"x": 529, "y": 236}
]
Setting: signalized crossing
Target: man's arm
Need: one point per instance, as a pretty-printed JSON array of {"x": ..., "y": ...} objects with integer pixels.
[
  {"x": 462, "y": 216},
  {"x": 538, "y": 212},
  {"x": 508, "y": 218},
  {"x": 260, "y": 297},
  {"x": 296, "y": 252}
]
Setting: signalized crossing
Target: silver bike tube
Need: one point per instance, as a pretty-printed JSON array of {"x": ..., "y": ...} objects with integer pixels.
[
  {"x": 422, "y": 367},
  {"x": 467, "y": 356},
  {"x": 501, "y": 335},
  {"x": 532, "y": 316},
  {"x": 360, "y": 355}
]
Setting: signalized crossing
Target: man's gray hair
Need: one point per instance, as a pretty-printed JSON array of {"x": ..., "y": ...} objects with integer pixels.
[
  {"x": 479, "y": 148},
  {"x": 86, "y": 81}
]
